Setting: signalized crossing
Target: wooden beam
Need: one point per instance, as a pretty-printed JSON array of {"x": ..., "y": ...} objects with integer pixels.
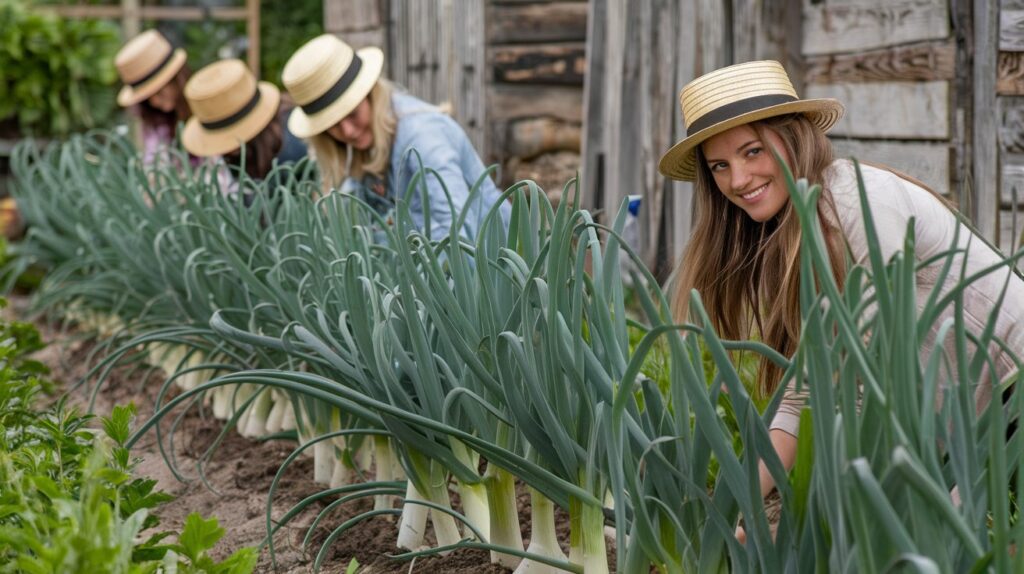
[
  {"x": 169, "y": 13},
  {"x": 852, "y": 25},
  {"x": 509, "y": 102},
  {"x": 898, "y": 110},
  {"x": 131, "y": 25},
  {"x": 564, "y": 63},
  {"x": 926, "y": 161},
  {"x": 1010, "y": 80},
  {"x": 533, "y": 23},
  {"x": 345, "y": 16},
  {"x": 934, "y": 60},
  {"x": 985, "y": 190},
  {"x": 252, "y": 30}
]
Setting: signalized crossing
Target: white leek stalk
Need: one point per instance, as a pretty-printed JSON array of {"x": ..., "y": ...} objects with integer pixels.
[
  {"x": 475, "y": 506},
  {"x": 414, "y": 520},
  {"x": 586, "y": 537},
  {"x": 543, "y": 540},
  {"x": 504, "y": 531},
  {"x": 385, "y": 470},
  {"x": 259, "y": 410},
  {"x": 323, "y": 465}
]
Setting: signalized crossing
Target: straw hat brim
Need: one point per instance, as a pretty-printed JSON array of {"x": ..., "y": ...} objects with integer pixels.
[
  {"x": 680, "y": 162},
  {"x": 129, "y": 96},
  {"x": 203, "y": 142},
  {"x": 308, "y": 125}
]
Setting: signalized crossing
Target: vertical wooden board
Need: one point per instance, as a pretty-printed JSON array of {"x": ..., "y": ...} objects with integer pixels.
[
  {"x": 397, "y": 39},
  {"x": 342, "y": 16},
  {"x": 746, "y": 30},
  {"x": 851, "y": 25},
  {"x": 928, "y": 162},
  {"x": 467, "y": 69},
  {"x": 613, "y": 91},
  {"x": 593, "y": 101},
  {"x": 913, "y": 110},
  {"x": 1012, "y": 178},
  {"x": 985, "y": 190},
  {"x": 1011, "y": 227},
  {"x": 712, "y": 33}
]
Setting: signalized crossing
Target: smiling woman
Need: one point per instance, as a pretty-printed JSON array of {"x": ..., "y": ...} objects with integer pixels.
[
  {"x": 744, "y": 256},
  {"x": 371, "y": 138}
]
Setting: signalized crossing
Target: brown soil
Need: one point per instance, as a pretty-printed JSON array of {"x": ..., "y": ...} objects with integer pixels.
[{"x": 241, "y": 472}]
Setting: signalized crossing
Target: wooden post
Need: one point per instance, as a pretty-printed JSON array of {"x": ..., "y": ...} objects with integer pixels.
[
  {"x": 130, "y": 22},
  {"x": 985, "y": 188},
  {"x": 592, "y": 157},
  {"x": 252, "y": 32}
]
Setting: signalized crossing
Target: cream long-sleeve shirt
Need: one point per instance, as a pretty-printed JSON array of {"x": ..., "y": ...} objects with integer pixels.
[{"x": 893, "y": 201}]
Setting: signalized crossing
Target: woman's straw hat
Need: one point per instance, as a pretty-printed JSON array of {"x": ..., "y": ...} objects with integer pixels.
[
  {"x": 229, "y": 108},
  {"x": 733, "y": 96},
  {"x": 328, "y": 79},
  {"x": 146, "y": 63}
]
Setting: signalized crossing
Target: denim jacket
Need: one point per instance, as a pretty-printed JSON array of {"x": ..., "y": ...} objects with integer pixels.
[{"x": 441, "y": 145}]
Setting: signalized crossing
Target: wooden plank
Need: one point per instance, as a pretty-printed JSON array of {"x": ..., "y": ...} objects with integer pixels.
[
  {"x": 712, "y": 45},
  {"x": 531, "y": 23},
  {"x": 911, "y": 110},
  {"x": 1011, "y": 229},
  {"x": 1011, "y": 30},
  {"x": 985, "y": 147},
  {"x": 535, "y": 136},
  {"x": 252, "y": 31},
  {"x": 592, "y": 160},
  {"x": 167, "y": 13},
  {"x": 1011, "y": 124},
  {"x": 926, "y": 61},
  {"x": 131, "y": 25},
  {"x": 351, "y": 16},
  {"x": 508, "y": 102},
  {"x": 928, "y": 162},
  {"x": 852, "y": 25},
  {"x": 468, "y": 71},
  {"x": 364, "y": 38},
  {"x": 1012, "y": 181},
  {"x": 564, "y": 63}
]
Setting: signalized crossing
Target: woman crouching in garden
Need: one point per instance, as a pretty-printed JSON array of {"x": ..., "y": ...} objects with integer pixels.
[
  {"x": 154, "y": 74},
  {"x": 240, "y": 120},
  {"x": 363, "y": 131},
  {"x": 743, "y": 258}
]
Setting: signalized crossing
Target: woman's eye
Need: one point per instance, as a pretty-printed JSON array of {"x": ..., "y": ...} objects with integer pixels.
[
  {"x": 754, "y": 151},
  {"x": 715, "y": 167}
]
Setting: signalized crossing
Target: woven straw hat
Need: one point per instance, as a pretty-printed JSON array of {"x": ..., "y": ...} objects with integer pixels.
[
  {"x": 229, "y": 107},
  {"x": 733, "y": 96},
  {"x": 328, "y": 79},
  {"x": 146, "y": 63}
]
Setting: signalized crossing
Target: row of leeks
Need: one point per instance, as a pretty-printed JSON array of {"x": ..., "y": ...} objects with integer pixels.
[{"x": 514, "y": 347}]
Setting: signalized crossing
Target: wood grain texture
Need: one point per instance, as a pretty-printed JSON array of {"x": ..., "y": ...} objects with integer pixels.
[
  {"x": 984, "y": 206},
  {"x": 510, "y": 101},
  {"x": 926, "y": 61},
  {"x": 1010, "y": 74},
  {"x": 851, "y": 25},
  {"x": 351, "y": 15},
  {"x": 1011, "y": 30},
  {"x": 563, "y": 63},
  {"x": 926, "y": 161},
  {"x": 532, "y": 23},
  {"x": 902, "y": 110}
]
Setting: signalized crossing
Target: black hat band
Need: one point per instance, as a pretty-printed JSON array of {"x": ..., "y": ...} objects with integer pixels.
[
  {"x": 737, "y": 108},
  {"x": 235, "y": 117},
  {"x": 339, "y": 87},
  {"x": 152, "y": 73}
]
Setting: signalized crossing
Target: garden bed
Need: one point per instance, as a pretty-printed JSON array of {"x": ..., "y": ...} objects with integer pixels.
[{"x": 242, "y": 471}]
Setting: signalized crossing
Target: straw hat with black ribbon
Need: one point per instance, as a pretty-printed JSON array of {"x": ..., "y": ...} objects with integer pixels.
[
  {"x": 229, "y": 108},
  {"x": 146, "y": 63},
  {"x": 328, "y": 79},
  {"x": 733, "y": 96}
]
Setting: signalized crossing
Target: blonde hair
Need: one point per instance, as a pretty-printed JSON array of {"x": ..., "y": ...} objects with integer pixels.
[
  {"x": 333, "y": 158},
  {"x": 747, "y": 272}
]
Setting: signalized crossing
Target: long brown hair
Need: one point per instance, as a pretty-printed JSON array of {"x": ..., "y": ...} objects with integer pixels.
[
  {"x": 262, "y": 148},
  {"x": 747, "y": 272},
  {"x": 152, "y": 117},
  {"x": 333, "y": 158}
]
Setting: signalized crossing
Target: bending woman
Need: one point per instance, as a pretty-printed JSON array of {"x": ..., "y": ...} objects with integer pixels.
[
  {"x": 743, "y": 257},
  {"x": 239, "y": 119},
  {"x": 363, "y": 130},
  {"x": 154, "y": 75}
]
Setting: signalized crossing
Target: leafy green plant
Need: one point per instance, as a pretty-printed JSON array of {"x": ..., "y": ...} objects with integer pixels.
[{"x": 56, "y": 75}]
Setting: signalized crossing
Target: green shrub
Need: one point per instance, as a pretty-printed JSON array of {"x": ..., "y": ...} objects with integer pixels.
[{"x": 57, "y": 75}]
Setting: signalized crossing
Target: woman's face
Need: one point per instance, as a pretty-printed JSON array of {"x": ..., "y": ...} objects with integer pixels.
[
  {"x": 746, "y": 171},
  {"x": 166, "y": 100},
  {"x": 355, "y": 128}
]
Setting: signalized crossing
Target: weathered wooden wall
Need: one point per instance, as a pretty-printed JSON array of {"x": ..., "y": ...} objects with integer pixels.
[
  {"x": 1010, "y": 121},
  {"x": 640, "y": 55}
]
